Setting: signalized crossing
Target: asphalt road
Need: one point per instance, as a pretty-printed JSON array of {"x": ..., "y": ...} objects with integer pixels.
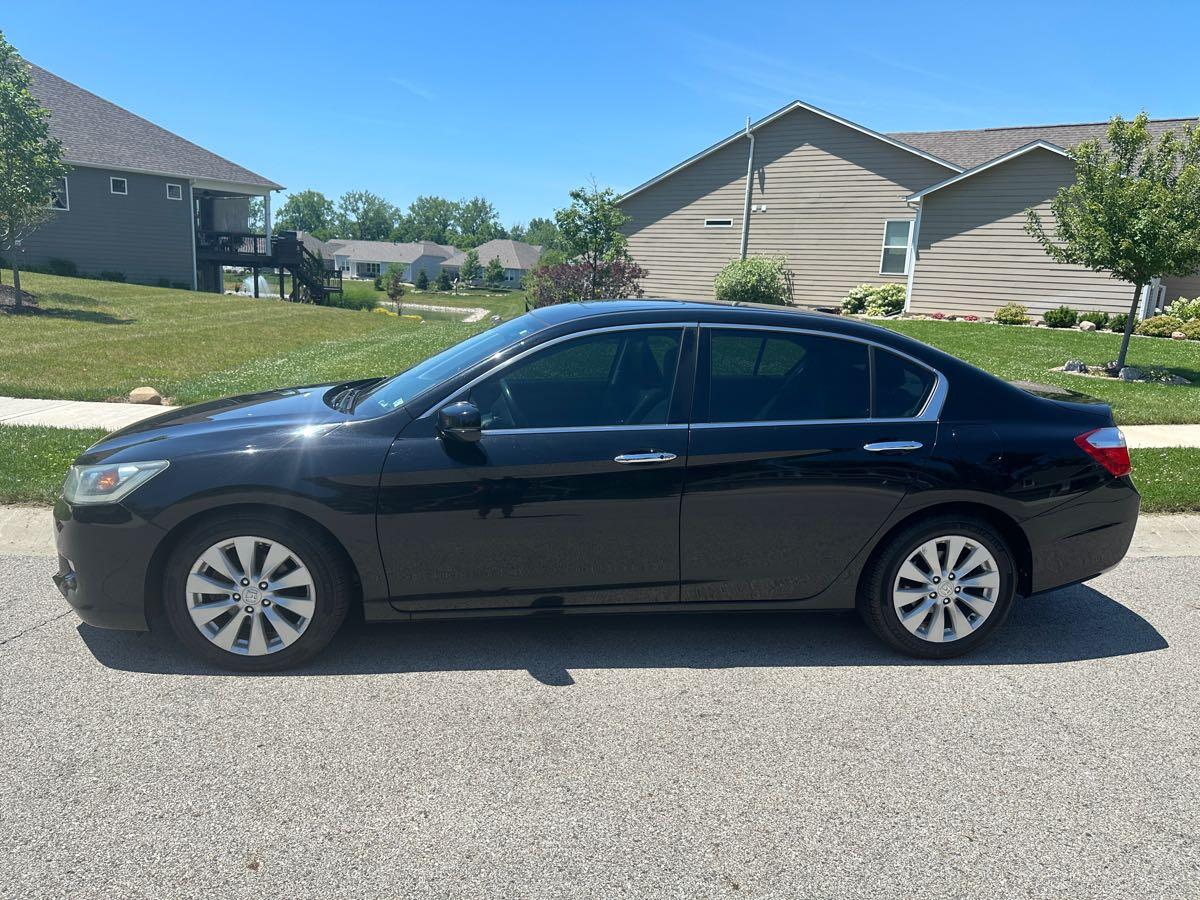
[{"x": 761, "y": 756}]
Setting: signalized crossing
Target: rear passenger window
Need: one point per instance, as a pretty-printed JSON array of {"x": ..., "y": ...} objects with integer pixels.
[
  {"x": 764, "y": 376},
  {"x": 901, "y": 386}
]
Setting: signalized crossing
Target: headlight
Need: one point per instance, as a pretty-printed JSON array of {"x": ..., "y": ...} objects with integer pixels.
[{"x": 108, "y": 483}]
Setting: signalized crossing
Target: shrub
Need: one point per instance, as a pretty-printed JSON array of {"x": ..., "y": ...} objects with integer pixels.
[
  {"x": 566, "y": 282},
  {"x": 1063, "y": 317},
  {"x": 756, "y": 279},
  {"x": 937, "y": 315},
  {"x": 422, "y": 282},
  {"x": 56, "y": 265},
  {"x": 378, "y": 282},
  {"x": 886, "y": 300},
  {"x": 856, "y": 301},
  {"x": 1097, "y": 318},
  {"x": 109, "y": 275},
  {"x": 1184, "y": 310},
  {"x": 1159, "y": 326},
  {"x": 1191, "y": 330},
  {"x": 443, "y": 281},
  {"x": 1012, "y": 314},
  {"x": 970, "y": 317},
  {"x": 1117, "y": 322}
]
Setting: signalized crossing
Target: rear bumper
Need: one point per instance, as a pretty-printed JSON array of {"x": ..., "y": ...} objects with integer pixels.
[
  {"x": 104, "y": 553},
  {"x": 1084, "y": 538}
]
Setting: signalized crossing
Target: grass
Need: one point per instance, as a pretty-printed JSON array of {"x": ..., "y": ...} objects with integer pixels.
[
  {"x": 98, "y": 340},
  {"x": 1169, "y": 478},
  {"x": 1030, "y": 353},
  {"x": 34, "y": 460},
  {"x": 503, "y": 303}
]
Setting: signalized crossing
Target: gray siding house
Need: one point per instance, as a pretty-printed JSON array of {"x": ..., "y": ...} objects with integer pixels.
[
  {"x": 941, "y": 212},
  {"x": 138, "y": 200},
  {"x": 370, "y": 259},
  {"x": 516, "y": 257}
]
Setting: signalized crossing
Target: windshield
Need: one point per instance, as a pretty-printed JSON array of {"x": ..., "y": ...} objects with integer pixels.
[{"x": 397, "y": 391}]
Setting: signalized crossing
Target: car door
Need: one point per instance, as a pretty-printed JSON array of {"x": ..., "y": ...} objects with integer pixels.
[
  {"x": 572, "y": 495},
  {"x": 803, "y": 443}
]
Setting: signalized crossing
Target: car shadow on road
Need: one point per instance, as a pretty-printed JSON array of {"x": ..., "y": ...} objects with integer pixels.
[{"x": 1076, "y": 623}]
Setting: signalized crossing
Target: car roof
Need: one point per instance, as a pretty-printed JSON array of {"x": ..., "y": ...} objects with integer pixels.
[{"x": 700, "y": 309}]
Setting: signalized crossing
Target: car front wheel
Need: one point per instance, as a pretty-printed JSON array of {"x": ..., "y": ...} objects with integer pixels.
[
  {"x": 255, "y": 595},
  {"x": 940, "y": 588}
]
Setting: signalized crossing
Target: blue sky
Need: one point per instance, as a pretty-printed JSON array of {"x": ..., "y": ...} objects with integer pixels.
[{"x": 522, "y": 101}]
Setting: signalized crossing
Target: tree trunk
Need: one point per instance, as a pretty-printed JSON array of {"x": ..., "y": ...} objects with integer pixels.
[
  {"x": 16, "y": 284},
  {"x": 1129, "y": 320}
]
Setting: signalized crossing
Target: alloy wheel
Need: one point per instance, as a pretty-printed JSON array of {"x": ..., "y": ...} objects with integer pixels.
[
  {"x": 250, "y": 595},
  {"x": 946, "y": 588}
]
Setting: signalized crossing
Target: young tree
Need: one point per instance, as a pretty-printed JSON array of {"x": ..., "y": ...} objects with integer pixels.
[
  {"x": 443, "y": 281},
  {"x": 393, "y": 283},
  {"x": 364, "y": 216},
  {"x": 590, "y": 233},
  {"x": 309, "y": 211},
  {"x": 1133, "y": 210},
  {"x": 470, "y": 270},
  {"x": 31, "y": 166},
  {"x": 422, "y": 282},
  {"x": 493, "y": 275}
]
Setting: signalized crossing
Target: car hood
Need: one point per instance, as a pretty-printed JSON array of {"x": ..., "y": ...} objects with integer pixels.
[{"x": 267, "y": 418}]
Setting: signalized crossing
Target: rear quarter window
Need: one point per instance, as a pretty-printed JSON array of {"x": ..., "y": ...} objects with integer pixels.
[{"x": 901, "y": 386}]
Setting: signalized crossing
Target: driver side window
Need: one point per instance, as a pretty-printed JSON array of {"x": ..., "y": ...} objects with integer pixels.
[{"x": 606, "y": 379}]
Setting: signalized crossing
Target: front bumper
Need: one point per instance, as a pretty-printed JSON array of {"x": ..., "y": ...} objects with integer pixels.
[{"x": 104, "y": 554}]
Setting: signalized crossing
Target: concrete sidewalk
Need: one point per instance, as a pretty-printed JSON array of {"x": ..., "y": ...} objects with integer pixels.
[
  {"x": 29, "y": 531},
  {"x": 1143, "y": 436},
  {"x": 74, "y": 413}
]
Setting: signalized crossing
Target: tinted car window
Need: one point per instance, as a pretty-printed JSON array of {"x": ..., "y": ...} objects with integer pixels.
[
  {"x": 606, "y": 379},
  {"x": 761, "y": 376},
  {"x": 901, "y": 386}
]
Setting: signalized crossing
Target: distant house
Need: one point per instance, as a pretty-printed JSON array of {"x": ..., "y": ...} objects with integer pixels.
[
  {"x": 142, "y": 201},
  {"x": 941, "y": 212},
  {"x": 370, "y": 259},
  {"x": 517, "y": 258}
]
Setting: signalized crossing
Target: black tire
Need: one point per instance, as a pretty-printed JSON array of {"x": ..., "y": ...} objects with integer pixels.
[
  {"x": 875, "y": 599},
  {"x": 331, "y": 579}
]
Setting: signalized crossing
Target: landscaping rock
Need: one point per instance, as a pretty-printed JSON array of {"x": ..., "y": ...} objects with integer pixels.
[
  {"x": 1178, "y": 336},
  {"x": 1075, "y": 365},
  {"x": 147, "y": 395},
  {"x": 1040, "y": 324},
  {"x": 1130, "y": 373},
  {"x": 1110, "y": 368},
  {"x": 1087, "y": 326}
]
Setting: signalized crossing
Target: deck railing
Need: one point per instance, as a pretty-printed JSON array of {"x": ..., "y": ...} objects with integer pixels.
[{"x": 232, "y": 243}]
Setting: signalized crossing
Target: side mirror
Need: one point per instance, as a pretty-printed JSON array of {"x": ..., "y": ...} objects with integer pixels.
[{"x": 461, "y": 421}]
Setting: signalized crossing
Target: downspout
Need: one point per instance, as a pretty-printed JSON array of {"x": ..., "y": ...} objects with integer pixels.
[
  {"x": 914, "y": 234},
  {"x": 749, "y": 187},
  {"x": 192, "y": 217}
]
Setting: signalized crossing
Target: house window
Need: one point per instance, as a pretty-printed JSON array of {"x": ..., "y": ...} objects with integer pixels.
[
  {"x": 718, "y": 223},
  {"x": 368, "y": 270},
  {"x": 894, "y": 260},
  {"x": 118, "y": 185},
  {"x": 174, "y": 191},
  {"x": 59, "y": 198}
]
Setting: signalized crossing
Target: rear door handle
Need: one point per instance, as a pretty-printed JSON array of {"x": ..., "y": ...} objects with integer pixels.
[
  {"x": 894, "y": 446},
  {"x": 641, "y": 459}
]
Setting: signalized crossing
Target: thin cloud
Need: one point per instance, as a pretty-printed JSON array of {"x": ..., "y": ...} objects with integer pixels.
[{"x": 415, "y": 89}]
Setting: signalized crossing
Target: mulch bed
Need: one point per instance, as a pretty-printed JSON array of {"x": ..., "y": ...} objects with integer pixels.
[{"x": 8, "y": 300}]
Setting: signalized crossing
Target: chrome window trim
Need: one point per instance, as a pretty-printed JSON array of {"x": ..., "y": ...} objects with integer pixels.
[
  {"x": 573, "y": 429},
  {"x": 930, "y": 412},
  {"x": 642, "y": 326}
]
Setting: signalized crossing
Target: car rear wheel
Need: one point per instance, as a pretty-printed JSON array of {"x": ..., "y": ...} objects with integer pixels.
[
  {"x": 939, "y": 588},
  {"x": 252, "y": 594}
]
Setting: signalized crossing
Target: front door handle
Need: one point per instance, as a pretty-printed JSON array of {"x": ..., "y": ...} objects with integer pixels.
[
  {"x": 641, "y": 459},
  {"x": 894, "y": 446}
]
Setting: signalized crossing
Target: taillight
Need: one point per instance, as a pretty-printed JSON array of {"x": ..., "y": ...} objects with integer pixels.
[{"x": 1107, "y": 447}]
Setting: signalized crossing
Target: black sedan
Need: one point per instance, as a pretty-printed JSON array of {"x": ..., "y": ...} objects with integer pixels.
[{"x": 600, "y": 458}]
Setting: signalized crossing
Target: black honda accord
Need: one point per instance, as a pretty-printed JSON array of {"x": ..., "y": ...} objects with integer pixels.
[{"x": 616, "y": 457}]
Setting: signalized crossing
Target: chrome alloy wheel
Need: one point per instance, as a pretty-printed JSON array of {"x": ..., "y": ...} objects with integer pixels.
[
  {"x": 250, "y": 595},
  {"x": 946, "y": 588}
]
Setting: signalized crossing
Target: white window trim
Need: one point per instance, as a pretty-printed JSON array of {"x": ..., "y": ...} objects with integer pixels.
[
  {"x": 171, "y": 184},
  {"x": 906, "y": 246},
  {"x": 112, "y": 186},
  {"x": 66, "y": 189},
  {"x": 718, "y": 223}
]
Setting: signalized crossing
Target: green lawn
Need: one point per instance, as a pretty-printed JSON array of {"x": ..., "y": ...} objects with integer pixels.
[
  {"x": 1030, "y": 353},
  {"x": 503, "y": 303},
  {"x": 1169, "y": 479}
]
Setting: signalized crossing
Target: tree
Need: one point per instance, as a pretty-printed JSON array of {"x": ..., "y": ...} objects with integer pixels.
[
  {"x": 542, "y": 233},
  {"x": 443, "y": 281},
  {"x": 470, "y": 269},
  {"x": 566, "y": 282},
  {"x": 517, "y": 231},
  {"x": 429, "y": 218},
  {"x": 1133, "y": 210},
  {"x": 256, "y": 215},
  {"x": 393, "y": 282},
  {"x": 31, "y": 166},
  {"x": 309, "y": 211},
  {"x": 493, "y": 275},
  {"x": 422, "y": 282},
  {"x": 475, "y": 223},
  {"x": 364, "y": 216},
  {"x": 590, "y": 232}
]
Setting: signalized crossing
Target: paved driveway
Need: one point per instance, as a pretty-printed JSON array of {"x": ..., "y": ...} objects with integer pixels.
[{"x": 765, "y": 756}]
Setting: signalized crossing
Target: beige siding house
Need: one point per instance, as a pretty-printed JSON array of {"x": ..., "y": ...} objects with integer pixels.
[{"x": 941, "y": 212}]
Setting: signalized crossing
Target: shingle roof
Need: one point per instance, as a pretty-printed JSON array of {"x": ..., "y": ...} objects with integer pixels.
[
  {"x": 388, "y": 252},
  {"x": 512, "y": 254},
  {"x": 95, "y": 132},
  {"x": 970, "y": 148}
]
